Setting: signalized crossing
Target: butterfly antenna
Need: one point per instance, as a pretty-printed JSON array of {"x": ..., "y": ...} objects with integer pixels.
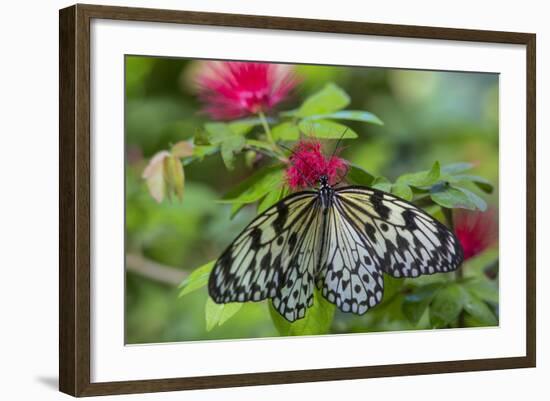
[
  {"x": 334, "y": 153},
  {"x": 338, "y": 143}
]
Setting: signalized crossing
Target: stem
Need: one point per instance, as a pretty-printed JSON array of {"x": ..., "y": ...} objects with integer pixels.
[
  {"x": 280, "y": 154},
  {"x": 136, "y": 263},
  {"x": 265, "y": 125}
]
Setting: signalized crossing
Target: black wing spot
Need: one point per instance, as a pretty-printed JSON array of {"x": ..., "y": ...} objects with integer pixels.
[
  {"x": 256, "y": 238},
  {"x": 377, "y": 202},
  {"x": 408, "y": 217},
  {"x": 292, "y": 242},
  {"x": 266, "y": 261},
  {"x": 402, "y": 243},
  {"x": 282, "y": 214},
  {"x": 371, "y": 231}
]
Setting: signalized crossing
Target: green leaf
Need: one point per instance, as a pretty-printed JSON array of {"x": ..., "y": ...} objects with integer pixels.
[
  {"x": 382, "y": 184},
  {"x": 480, "y": 182},
  {"x": 244, "y": 126},
  {"x": 479, "y": 310},
  {"x": 422, "y": 178},
  {"x": 200, "y": 151},
  {"x": 483, "y": 289},
  {"x": 326, "y": 129},
  {"x": 287, "y": 131},
  {"x": 230, "y": 146},
  {"x": 250, "y": 181},
  {"x": 217, "y": 132},
  {"x": 317, "y": 320},
  {"x": 358, "y": 175},
  {"x": 456, "y": 168},
  {"x": 328, "y": 100},
  {"x": 258, "y": 187},
  {"x": 218, "y": 314},
  {"x": 259, "y": 144},
  {"x": 351, "y": 115},
  {"x": 456, "y": 197},
  {"x": 197, "y": 279},
  {"x": 402, "y": 190},
  {"x": 230, "y": 136},
  {"x": 479, "y": 203},
  {"x": 415, "y": 304},
  {"x": 271, "y": 198},
  {"x": 447, "y": 305}
]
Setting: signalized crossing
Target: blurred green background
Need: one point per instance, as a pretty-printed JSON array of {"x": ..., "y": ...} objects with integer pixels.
[{"x": 428, "y": 116}]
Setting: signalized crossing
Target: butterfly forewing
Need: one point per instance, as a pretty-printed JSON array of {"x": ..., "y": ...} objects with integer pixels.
[
  {"x": 256, "y": 264},
  {"x": 405, "y": 240}
]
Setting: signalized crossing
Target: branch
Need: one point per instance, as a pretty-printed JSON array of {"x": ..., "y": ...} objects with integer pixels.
[{"x": 155, "y": 271}]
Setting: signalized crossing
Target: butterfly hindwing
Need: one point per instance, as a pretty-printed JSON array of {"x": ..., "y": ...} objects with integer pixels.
[
  {"x": 405, "y": 240},
  {"x": 348, "y": 275}
]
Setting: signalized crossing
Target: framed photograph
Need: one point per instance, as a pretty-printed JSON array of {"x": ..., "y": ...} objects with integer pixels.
[{"x": 312, "y": 200}]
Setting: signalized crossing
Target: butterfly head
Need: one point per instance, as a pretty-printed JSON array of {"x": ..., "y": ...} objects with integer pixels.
[{"x": 324, "y": 181}]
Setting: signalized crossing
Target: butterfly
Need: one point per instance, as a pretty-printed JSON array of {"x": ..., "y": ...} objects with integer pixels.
[{"x": 339, "y": 239}]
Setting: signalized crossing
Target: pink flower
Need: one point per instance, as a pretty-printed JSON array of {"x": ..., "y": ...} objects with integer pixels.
[
  {"x": 231, "y": 90},
  {"x": 307, "y": 164},
  {"x": 476, "y": 231}
]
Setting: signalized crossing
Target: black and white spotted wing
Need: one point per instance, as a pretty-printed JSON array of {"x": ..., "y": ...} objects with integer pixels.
[
  {"x": 342, "y": 245},
  {"x": 274, "y": 257}
]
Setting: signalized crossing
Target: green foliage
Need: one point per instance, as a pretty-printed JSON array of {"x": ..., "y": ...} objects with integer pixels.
[
  {"x": 328, "y": 100},
  {"x": 218, "y": 314},
  {"x": 325, "y": 129},
  {"x": 272, "y": 197},
  {"x": 416, "y": 303},
  {"x": 231, "y": 171},
  {"x": 359, "y": 176},
  {"x": 479, "y": 310},
  {"x": 286, "y": 131},
  {"x": 263, "y": 182},
  {"x": 402, "y": 190},
  {"x": 422, "y": 178},
  {"x": 197, "y": 279},
  {"x": 351, "y": 115},
  {"x": 447, "y": 304},
  {"x": 456, "y": 197}
]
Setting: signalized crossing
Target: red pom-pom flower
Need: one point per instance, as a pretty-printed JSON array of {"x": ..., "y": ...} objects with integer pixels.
[
  {"x": 308, "y": 163},
  {"x": 232, "y": 90},
  {"x": 476, "y": 231}
]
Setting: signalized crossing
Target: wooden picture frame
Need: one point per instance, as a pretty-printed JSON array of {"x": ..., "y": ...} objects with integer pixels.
[{"x": 75, "y": 206}]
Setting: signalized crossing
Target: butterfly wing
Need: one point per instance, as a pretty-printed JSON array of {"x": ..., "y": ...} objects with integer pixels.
[
  {"x": 273, "y": 257},
  {"x": 348, "y": 275},
  {"x": 405, "y": 240},
  {"x": 370, "y": 232}
]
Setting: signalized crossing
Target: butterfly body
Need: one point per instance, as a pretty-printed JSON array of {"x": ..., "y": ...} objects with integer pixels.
[{"x": 338, "y": 239}]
